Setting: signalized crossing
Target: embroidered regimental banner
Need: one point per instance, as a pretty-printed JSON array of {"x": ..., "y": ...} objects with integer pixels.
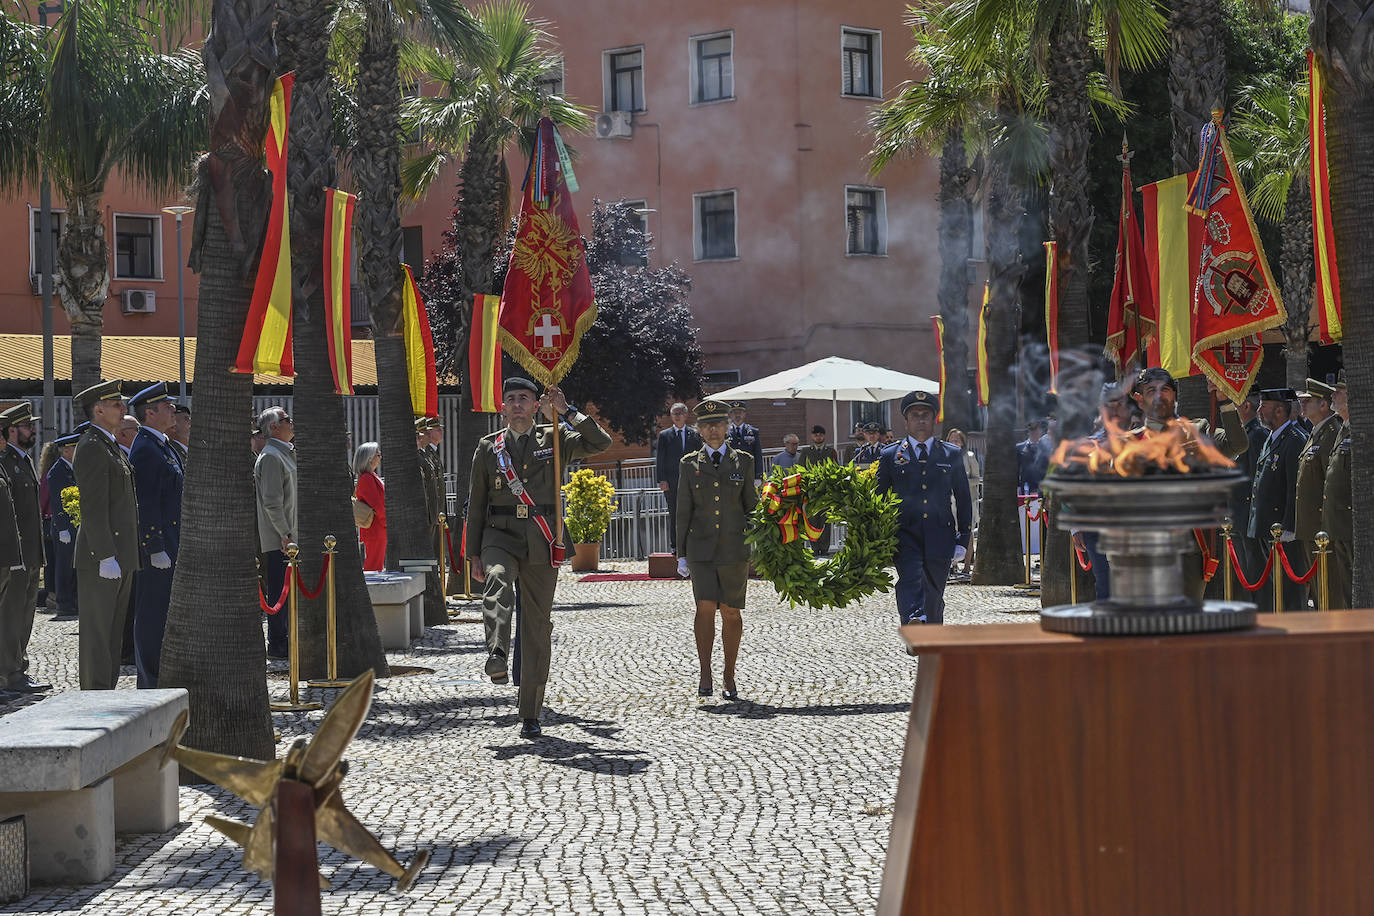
[
  {"x": 1131, "y": 311},
  {"x": 547, "y": 302}
]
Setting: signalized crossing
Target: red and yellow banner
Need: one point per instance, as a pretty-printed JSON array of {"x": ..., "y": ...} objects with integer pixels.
[
  {"x": 983, "y": 350},
  {"x": 338, "y": 259},
  {"x": 1235, "y": 298},
  {"x": 419, "y": 344},
  {"x": 1328, "y": 300},
  {"x": 1131, "y": 320},
  {"x": 938, "y": 324},
  {"x": 484, "y": 353},
  {"x": 1052, "y": 310},
  {"x": 266, "y": 345},
  {"x": 1173, "y": 245},
  {"x": 547, "y": 301}
]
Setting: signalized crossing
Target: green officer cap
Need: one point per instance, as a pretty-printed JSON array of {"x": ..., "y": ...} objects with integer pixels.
[
  {"x": 19, "y": 413},
  {"x": 112, "y": 390},
  {"x": 1316, "y": 389},
  {"x": 712, "y": 411}
]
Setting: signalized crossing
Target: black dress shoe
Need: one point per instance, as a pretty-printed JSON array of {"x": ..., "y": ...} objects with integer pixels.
[
  {"x": 277, "y": 653},
  {"x": 26, "y": 684},
  {"x": 64, "y": 617},
  {"x": 529, "y": 728},
  {"x": 496, "y": 668},
  {"x": 704, "y": 689},
  {"x": 730, "y": 694}
]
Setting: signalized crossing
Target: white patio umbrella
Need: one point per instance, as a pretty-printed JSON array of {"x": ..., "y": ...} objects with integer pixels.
[{"x": 834, "y": 379}]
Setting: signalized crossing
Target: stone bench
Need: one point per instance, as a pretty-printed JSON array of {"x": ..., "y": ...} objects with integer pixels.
[
  {"x": 398, "y": 603},
  {"x": 82, "y": 766}
]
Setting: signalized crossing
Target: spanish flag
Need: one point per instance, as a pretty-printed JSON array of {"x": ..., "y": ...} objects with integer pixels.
[
  {"x": 484, "y": 354},
  {"x": 1173, "y": 245},
  {"x": 1052, "y": 311},
  {"x": 1323, "y": 233},
  {"x": 419, "y": 343},
  {"x": 983, "y": 351},
  {"x": 939, "y": 324},
  {"x": 266, "y": 345},
  {"x": 338, "y": 257}
]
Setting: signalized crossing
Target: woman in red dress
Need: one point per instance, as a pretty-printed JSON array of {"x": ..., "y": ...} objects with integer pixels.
[{"x": 370, "y": 490}]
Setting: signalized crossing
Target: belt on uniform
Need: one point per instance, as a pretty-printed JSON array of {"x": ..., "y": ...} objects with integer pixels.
[{"x": 519, "y": 511}]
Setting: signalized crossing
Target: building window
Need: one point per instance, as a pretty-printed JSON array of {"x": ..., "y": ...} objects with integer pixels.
[
  {"x": 625, "y": 80},
  {"x": 861, "y": 58},
  {"x": 865, "y": 218},
  {"x": 714, "y": 215},
  {"x": 551, "y": 83},
  {"x": 713, "y": 68},
  {"x": 413, "y": 249},
  {"x": 35, "y": 237},
  {"x": 138, "y": 253},
  {"x": 867, "y": 412},
  {"x": 637, "y": 255},
  {"x": 720, "y": 378}
]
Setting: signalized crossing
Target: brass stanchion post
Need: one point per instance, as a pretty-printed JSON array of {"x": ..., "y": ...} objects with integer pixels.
[
  {"x": 1323, "y": 542},
  {"x": 1227, "y": 570},
  {"x": 293, "y": 653},
  {"x": 1073, "y": 572},
  {"x": 443, "y": 560},
  {"x": 331, "y": 621},
  {"x": 1027, "y": 548},
  {"x": 1276, "y": 571}
]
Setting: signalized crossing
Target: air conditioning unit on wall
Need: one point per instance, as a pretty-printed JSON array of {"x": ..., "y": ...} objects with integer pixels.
[
  {"x": 611, "y": 125},
  {"x": 139, "y": 301}
]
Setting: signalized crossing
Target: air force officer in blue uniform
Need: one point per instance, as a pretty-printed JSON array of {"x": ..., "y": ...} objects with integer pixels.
[
  {"x": 936, "y": 512},
  {"x": 158, "y": 476}
]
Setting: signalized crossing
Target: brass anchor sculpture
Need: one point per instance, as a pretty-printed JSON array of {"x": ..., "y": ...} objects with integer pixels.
[{"x": 280, "y": 844}]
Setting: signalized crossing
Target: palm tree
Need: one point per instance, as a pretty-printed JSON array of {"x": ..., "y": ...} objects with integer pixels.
[
  {"x": 1273, "y": 152},
  {"x": 488, "y": 100},
  {"x": 92, "y": 96},
  {"x": 1344, "y": 46},
  {"x": 214, "y": 648},
  {"x": 376, "y": 165},
  {"x": 325, "y": 483}
]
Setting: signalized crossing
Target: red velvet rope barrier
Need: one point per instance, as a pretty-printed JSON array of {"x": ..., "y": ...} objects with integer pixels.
[
  {"x": 1034, "y": 516},
  {"x": 1240, "y": 574},
  {"x": 448, "y": 543},
  {"x": 1283, "y": 555},
  {"x": 306, "y": 593},
  {"x": 1209, "y": 562},
  {"x": 1085, "y": 562},
  {"x": 281, "y": 599}
]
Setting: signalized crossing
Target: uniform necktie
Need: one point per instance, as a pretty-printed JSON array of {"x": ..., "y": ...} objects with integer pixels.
[
  {"x": 682, "y": 435},
  {"x": 715, "y": 459},
  {"x": 921, "y": 450}
]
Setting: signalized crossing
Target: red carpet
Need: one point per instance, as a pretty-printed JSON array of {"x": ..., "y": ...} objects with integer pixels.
[{"x": 621, "y": 577}]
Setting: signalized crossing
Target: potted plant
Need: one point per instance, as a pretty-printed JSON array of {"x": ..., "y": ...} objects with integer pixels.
[{"x": 587, "y": 507}]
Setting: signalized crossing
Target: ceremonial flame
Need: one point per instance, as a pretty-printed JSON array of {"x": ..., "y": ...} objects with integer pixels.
[{"x": 1177, "y": 448}]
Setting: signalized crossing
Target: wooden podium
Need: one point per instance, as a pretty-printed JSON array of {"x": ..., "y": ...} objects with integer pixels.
[{"x": 1055, "y": 775}]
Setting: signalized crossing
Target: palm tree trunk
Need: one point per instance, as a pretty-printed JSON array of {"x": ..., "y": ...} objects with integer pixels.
[
  {"x": 999, "y": 558},
  {"x": 1345, "y": 47},
  {"x": 1071, "y": 213},
  {"x": 377, "y": 170},
  {"x": 480, "y": 223},
  {"x": 1298, "y": 276},
  {"x": 956, "y": 248},
  {"x": 83, "y": 283},
  {"x": 324, "y": 482},
  {"x": 1197, "y": 84},
  {"x": 213, "y": 643}
]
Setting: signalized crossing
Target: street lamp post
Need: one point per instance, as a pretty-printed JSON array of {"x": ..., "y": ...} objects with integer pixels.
[
  {"x": 179, "y": 211},
  {"x": 45, "y": 271}
]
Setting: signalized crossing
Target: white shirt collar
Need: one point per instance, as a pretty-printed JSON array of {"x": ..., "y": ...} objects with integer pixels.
[
  {"x": 716, "y": 451},
  {"x": 929, "y": 444},
  {"x": 64, "y": 461},
  {"x": 1273, "y": 437},
  {"x": 106, "y": 432},
  {"x": 18, "y": 449},
  {"x": 161, "y": 437}
]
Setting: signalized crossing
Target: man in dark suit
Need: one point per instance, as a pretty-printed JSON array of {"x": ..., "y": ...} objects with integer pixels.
[
  {"x": 1272, "y": 496},
  {"x": 674, "y": 442},
  {"x": 21, "y": 595},
  {"x": 1032, "y": 457},
  {"x": 158, "y": 476},
  {"x": 107, "y": 541},
  {"x": 745, "y": 438},
  {"x": 935, "y": 517},
  {"x": 60, "y": 477}
]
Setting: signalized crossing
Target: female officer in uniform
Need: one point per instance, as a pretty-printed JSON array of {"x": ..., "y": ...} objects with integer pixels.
[{"x": 714, "y": 499}]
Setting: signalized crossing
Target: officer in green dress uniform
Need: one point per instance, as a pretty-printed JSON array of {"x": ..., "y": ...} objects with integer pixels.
[
  {"x": 1312, "y": 464},
  {"x": 509, "y": 540},
  {"x": 21, "y": 594},
  {"x": 1337, "y": 517},
  {"x": 715, "y": 496},
  {"x": 107, "y": 540}
]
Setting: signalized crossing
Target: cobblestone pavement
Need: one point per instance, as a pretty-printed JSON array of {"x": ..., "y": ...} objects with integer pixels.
[{"x": 639, "y": 799}]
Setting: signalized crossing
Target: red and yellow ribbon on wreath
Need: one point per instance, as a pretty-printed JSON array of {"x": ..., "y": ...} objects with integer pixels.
[{"x": 785, "y": 502}]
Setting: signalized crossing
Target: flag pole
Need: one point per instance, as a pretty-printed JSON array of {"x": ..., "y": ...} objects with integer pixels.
[{"x": 557, "y": 475}]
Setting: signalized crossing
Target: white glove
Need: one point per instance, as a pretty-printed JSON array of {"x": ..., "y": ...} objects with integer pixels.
[
  {"x": 64, "y": 536},
  {"x": 959, "y": 553},
  {"x": 160, "y": 560},
  {"x": 1287, "y": 536},
  {"x": 682, "y": 567},
  {"x": 109, "y": 568},
  {"x": 17, "y": 568}
]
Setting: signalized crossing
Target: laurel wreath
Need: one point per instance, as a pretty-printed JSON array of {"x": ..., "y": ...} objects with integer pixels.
[{"x": 835, "y": 493}]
